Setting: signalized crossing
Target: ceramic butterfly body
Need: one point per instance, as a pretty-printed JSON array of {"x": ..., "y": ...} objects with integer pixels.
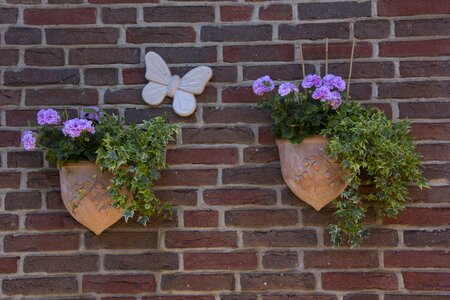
[{"x": 182, "y": 90}]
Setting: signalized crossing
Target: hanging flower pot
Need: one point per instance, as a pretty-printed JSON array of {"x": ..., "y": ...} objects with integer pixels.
[
  {"x": 84, "y": 193},
  {"x": 309, "y": 173}
]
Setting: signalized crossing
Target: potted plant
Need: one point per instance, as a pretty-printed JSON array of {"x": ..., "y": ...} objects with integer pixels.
[
  {"x": 330, "y": 146},
  {"x": 107, "y": 169}
]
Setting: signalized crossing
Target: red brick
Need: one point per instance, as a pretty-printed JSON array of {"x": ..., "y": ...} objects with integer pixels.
[
  {"x": 9, "y": 180},
  {"x": 197, "y": 282},
  {"x": 235, "y": 115},
  {"x": 341, "y": 259},
  {"x": 316, "y": 31},
  {"x": 164, "y": 35},
  {"x": 185, "y": 55},
  {"x": 334, "y": 10},
  {"x": 239, "y": 196},
  {"x": 9, "y": 222},
  {"x": 8, "y": 265},
  {"x": 25, "y": 159},
  {"x": 361, "y": 297},
  {"x": 277, "y": 72},
  {"x": 101, "y": 76},
  {"x": 424, "y": 68},
  {"x": 422, "y": 27},
  {"x": 239, "y": 95},
  {"x": 252, "y": 175},
  {"x": 240, "y": 296},
  {"x": 421, "y": 217},
  {"x": 188, "y": 14},
  {"x": 43, "y": 179},
  {"x": 123, "y": 96},
  {"x": 8, "y": 15},
  {"x": 336, "y": 50},
  {"x": 239, "y": 53},
  {"x": 121, "y": 1},
  {"x": 191, "y": 177},
  {"x": 133, "y": 115},
  {"x": 415, "y": 297},
  {"x": 42, "y": 77},
  {"x": 201, "y": 239},
  {"x": 220, "y": 261},
  {"x": 119, "y": 15},
  {"x": 122, "y": 240},
  {"x": 436, "y": 171},
  {"x": 218, "y": 135},
  {"x": 379, "y": 237},
  {"x": 421, "y": 110},
  {"x": 260, "y": 154},
  {"x": 359, "y": 281},
  {"x": 9, "y": 57},
  {"x": 8, "y": 97},
  {"x": 280, "y": 238},
  {"x": 377, "y": 69},
  {"x": 414, "y": 48},
  {"x": 426, "y": 281},
  {"x": 236, "y": 13},
  {"x": 119, "y": 284},
  {"x": 145, "y": 261},
  {"x": 178, "y": 197},
  {"x": 280, "y": 260},
  {"x": 275, "y": 12},
  {"x": 23, "y": 36},
  {"x": 22, "y": 200},
  {"x": 181, "y": 297},
  {"x": 44, "y": 57},
  {"x": 59, "y": 97},
  {"x": 261, "y": 218},
  {"x": 236, "y": 33},
  {"x": 430, "y": 131},
  {"x": 425, "y": 238},
  {"x": 265, "y": 137},
  {"x": 372, "y": 29},
  {"x": 51, "y": 221},
  {"x": 416, "y": 259},
  {"x": 408, "y": 8},
  {"x": 201, "y": 218},
  {"x": 80, "y": 36},
  {"x": 202, "y": 156},
  {"x": 42, "y": 242},
  {"x": 49, "y": 16},
  {"x": 61, "y": 263},
  {"x": 413, "y": 89},
  {"x": 101, "y": 56},
  {"x": 40, "y": 286},
  {"x": 274, "y": 281}
]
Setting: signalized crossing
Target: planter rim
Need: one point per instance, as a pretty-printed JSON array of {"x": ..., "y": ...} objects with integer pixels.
[
  {"x": 81, "y": 162},
  {"x": 308, "y": 139}
]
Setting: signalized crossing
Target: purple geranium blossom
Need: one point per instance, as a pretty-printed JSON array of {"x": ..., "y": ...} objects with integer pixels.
[
  {"x": 323, "y": 93},
  {"x": 29, "y": 140},
  {"x": 263, "y": 85},
  {"x": 48, "y": 116},
  {"x": 311, "y": 80},
  {"x": 93, "y": 114},
  {"x": 333, "y": 81},
  {"x": 75, "y": 127},
  {"x": 335, "y": 100},
  {"x": 286, "y": 88}
]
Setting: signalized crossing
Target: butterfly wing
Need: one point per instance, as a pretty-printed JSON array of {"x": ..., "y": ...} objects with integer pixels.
[
  {"x": 154, "y": 93},
  {"x": 157, "y": 69},
  {"x": 195, "y": 80},
  {"x": 184, "y": 104}
]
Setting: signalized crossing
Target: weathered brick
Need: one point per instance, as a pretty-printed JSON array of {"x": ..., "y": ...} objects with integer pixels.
[
  {"x": 341, "y": 259},
  {"x": 51, "y": 221},
  {"x": 119, "y": 284},
  {"x": 421, "y": 217},
  {"x": 424, "y": 238},
  {"x": 235, "y": 115},
  {"x": 336, "y": 50},
  {"x": 273, "y": 281},
  {"x": 179, "y": 297},
  {"x": 43, "y": 179},
  {"x": 9, "y": 57},
  {"x": 201, "y": 239},
  {"x": 424, "y": 68},
  {"x": 191, "y": 177},
  {"x": 260, "y": 154},
  {"x": 22, "y": 200},
  {"x": 239, "y": 196},
  {"x": 414, "y": 48},
  {"x": 202, "y": 156},
  {"x": 23, "y": 36},
  {"x": 178, "y": 196},
  {"x": 121, "y": 1},
  {"x": 40, "y": 286},
  {"x": 426, "y": 281},
  {"x": 408, "y": 8},
  {"x": 218, "y": 135},
  {"x": 416, "y": 259},
  {"x": 57, "y": 97},
  {"x": 123, "y": 96},
  {"x": 339, "y": 30},
  {"x": 101, "y": 76},
  {"x": 280, "y": 260},
  {"x": 8, "y": 97},
  {"x": 50, "y": 16},
  {"x": 236, "y": 33},
  {"x": 61, "y": 263},
  {"x": 280, "y": 238},
  {"x": 9, "y": 138},
  {"x": 239, "y": 95},
  {"x": 44, "y": 57},
  {"x": 422, "y": 27},
  {"x": 334, "y": 10},
  {"x": 122, "y": 240},
  {"x": 421, "y": 110},
  {"x": 236, "y": 13},
  {"x": 206, "y": 54},
  {"x": 379, "y": 69},
  {"x": 361, "y": 297},
  {"x": 42, "y": 77},
  {"x": 379, "y": 237},
  {"x": 430, "y": 131},
  {"x": 8, "y": 222},
  {"x": 100, "y": 56},
  {"x": 163, "y": 35},
  {"x": 267, "y": 175},
  {"x": 275, "y": 12},
  {"x": 9, "y": 180},
  {"x": 80, "y": 36},
  {"x": 133, "y": 115},
  {"x": 261, "y": 217},
  {"x": 372, "y": 29},
  {"x": 359, "y": 281},
  {"x": 240, "y": 296},
  {"x": 119, "y": 15},
  {"x": 8, "y": 15},
  {"x": 414, "y": 297},
  {"x": 281, "y": 52},
  {"x": 146, "y": 261},
  {"x": 25, "y": 159},
  {"x": 188, "y": 14},
  {"x": 197, "y": 282},
  {"x": 220, "y": 261},
  {"x": 8, "y": 265},
  {"x": 201, "y": 218},
  {"x": 42, "y": 242},
  {"x": 413, "y": 89}
]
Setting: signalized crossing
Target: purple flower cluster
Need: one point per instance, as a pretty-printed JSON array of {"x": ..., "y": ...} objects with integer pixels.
[
  {"x": 263, "y": 85},
  {"x": 48, "y": 116},
  {"x": 325, "y": 88},
  {"x": 74, "y": 127},
  {"x": 92, "y": 113},
  {"x": 286, "y": 88},
  {"x": 29, "y": 140}
]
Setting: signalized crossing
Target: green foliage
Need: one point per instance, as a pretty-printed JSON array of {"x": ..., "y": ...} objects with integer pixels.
[
  {"x": 375, "y": 153},
  {"x": 297, "y": 116},
  {"x": 135, "y": 155}
]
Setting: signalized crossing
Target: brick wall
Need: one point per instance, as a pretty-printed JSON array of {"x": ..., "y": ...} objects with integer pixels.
[{"x": 237, "y": 233}]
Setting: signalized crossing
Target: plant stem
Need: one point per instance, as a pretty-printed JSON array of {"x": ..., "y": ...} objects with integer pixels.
[{"x": 350, "y": 71}]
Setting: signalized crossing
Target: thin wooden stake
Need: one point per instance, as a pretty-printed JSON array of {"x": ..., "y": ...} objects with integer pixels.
[
  {"x": 302, "y": 60},
  {"x": 326, "y": 56},
  {"x": 350, "y": 71}
]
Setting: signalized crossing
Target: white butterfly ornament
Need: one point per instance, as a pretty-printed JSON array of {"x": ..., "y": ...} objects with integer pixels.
[{"x": 182, "y": 90}]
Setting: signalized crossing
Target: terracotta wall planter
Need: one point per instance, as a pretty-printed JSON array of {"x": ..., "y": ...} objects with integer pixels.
[
  {"x": 83, "y": 189},
  {"x": 309, "y": 173}
]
